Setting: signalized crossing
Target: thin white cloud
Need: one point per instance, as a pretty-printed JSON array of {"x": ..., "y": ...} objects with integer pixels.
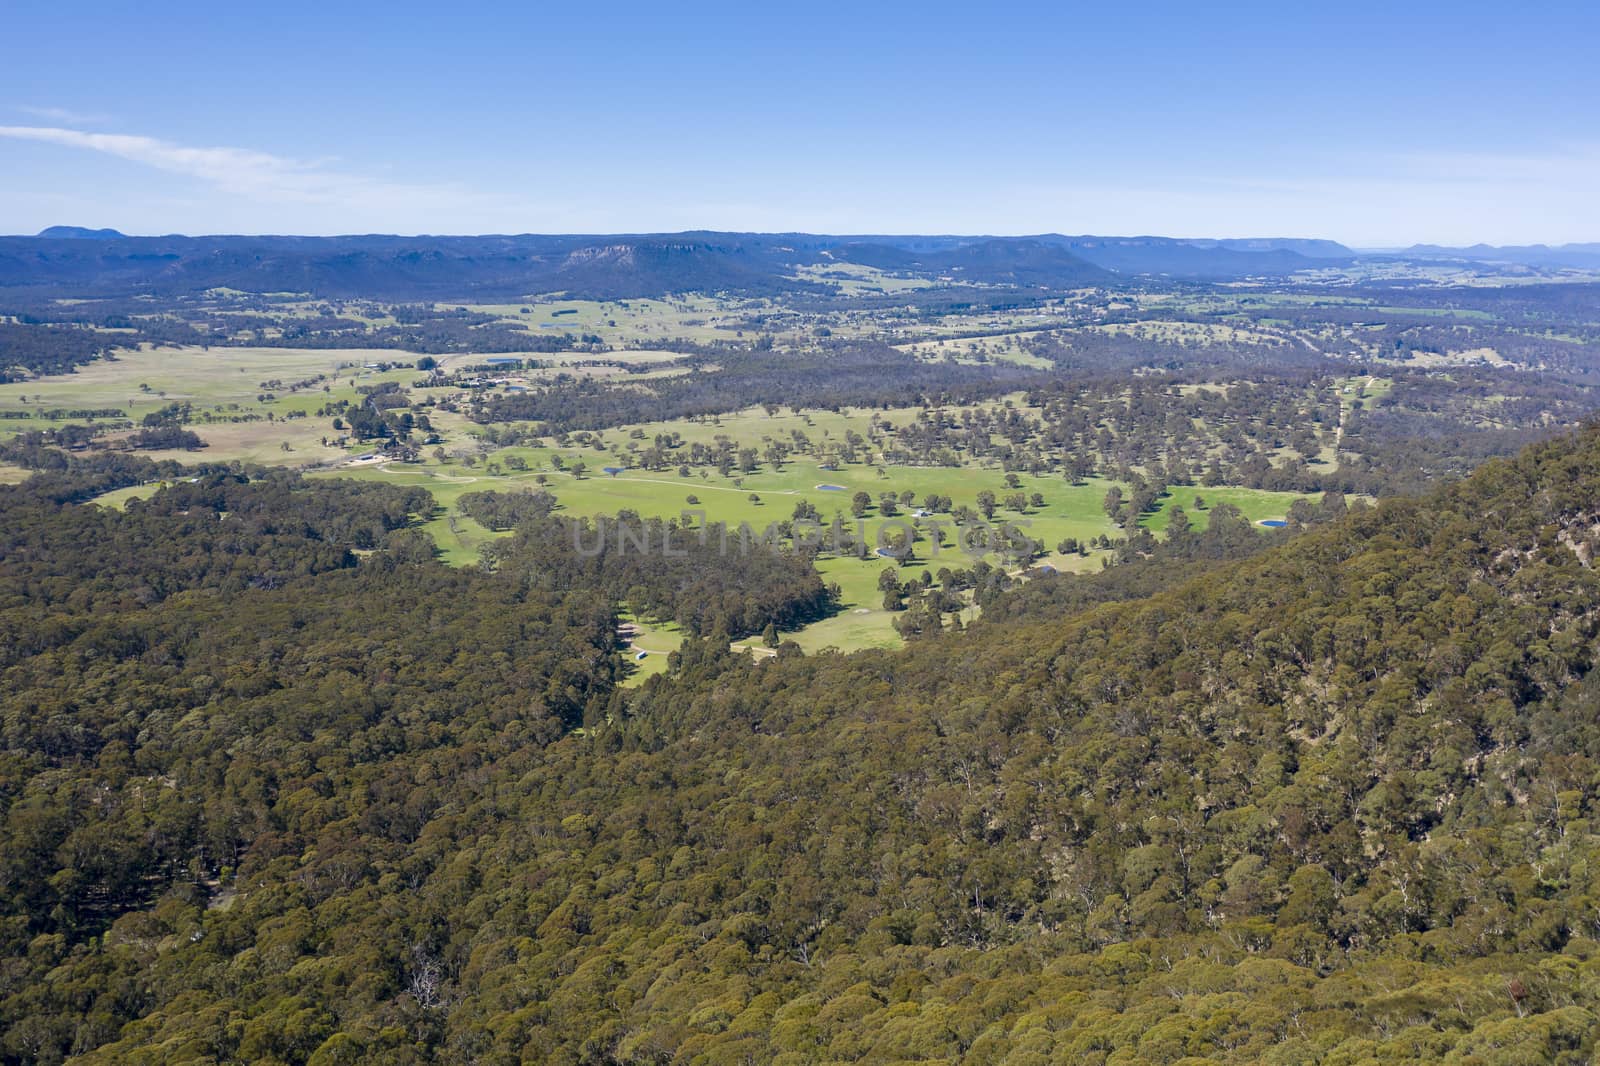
[
  {"x": 1368, "y": 200},
  {"x": 61, "y": 114},
  {"x": 248, "y": 173}
]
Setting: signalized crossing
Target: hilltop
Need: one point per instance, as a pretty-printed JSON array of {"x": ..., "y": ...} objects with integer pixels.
[{"x": 79, "y": 233}]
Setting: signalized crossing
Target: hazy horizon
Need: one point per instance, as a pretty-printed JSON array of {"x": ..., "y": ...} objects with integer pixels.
[{"x": 941, "y": 234}]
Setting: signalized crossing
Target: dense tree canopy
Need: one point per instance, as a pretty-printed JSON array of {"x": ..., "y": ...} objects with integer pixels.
[
  {"x": 709, "y": 579},
  {"x": 1330, "y": 801}
]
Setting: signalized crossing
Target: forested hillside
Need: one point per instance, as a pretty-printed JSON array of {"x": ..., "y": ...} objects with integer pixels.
[{"x": 1328, "y": 802}]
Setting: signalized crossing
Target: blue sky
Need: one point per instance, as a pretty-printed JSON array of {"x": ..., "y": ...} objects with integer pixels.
[{"x": 1372, "y": 124}]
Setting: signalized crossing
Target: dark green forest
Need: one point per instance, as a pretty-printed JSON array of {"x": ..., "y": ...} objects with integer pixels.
[{"x": 276, "y": 786}]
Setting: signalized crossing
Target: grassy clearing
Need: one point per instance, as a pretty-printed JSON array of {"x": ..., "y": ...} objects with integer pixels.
[
  {"x": 1439, "y": 312},
  {"x": 1199, "y": 334},
  {"x": 1366, "y": 389},
  {"x": 626, "y": 323},
  {"x": 569, "y": 363},
  {"x": 851, "y": 630},
  {"x": 754, "y": 425},
  {"x": 1254, "y": 504},
  {"x": 238, "y": 413},
  {"x": 997, "y": 348},
  {"x": 460, "y": 539},
  {"x": 117, "y": 499},
  {"x": 265, "y": 443},
  {"x": 1465, "y": 357},
  {"x": 856, "y": 279},
  {"x": 1069, "y": 511},
  {"x": 656, "y": 639},
  {"x": 203, "y": 377}
]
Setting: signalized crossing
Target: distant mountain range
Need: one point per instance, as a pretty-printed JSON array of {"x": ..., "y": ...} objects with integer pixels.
[
  {"x": 103, "y": 261},
  {"x": 1583, "y": 256}
]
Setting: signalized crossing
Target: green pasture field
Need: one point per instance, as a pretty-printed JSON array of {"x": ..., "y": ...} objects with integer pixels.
[
  {"x": 227, "y": 382},
  {"x": 563, "y": 360},
  {"x": 752, "y": 425},
  {"x": 1254, "y": 504},
  {"x": 1439, "y": 312},
  {"x": 856, "y": 279},
  {"x": 1075, "y": 511},
  {"x": 204, "y": 377},
  {"x": 1202, "y": 334},
  {"x": 999, "y": 347},
  {"x": 861, "y": 622},
  {"x": 223, "y": 383},
  {"x": 625, "y": 323}
]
